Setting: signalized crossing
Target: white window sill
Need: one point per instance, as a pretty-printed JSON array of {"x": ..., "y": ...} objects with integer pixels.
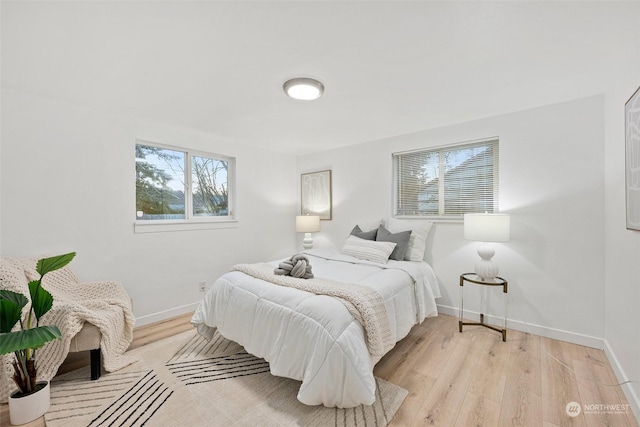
[
  {"x": 169, "y": 226},
  {"x": 430, "y": 218}
]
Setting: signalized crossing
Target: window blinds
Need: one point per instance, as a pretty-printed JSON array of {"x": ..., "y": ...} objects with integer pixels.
[{"x": 447, "y": 181}]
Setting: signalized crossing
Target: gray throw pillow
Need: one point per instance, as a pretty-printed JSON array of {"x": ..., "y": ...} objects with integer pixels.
[
  {"x": 367, "y": 235},
  {"x": 400, "y": 239}
]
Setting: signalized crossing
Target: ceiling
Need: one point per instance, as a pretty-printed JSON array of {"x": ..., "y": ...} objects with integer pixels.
[{"x": 389, "y": 68}]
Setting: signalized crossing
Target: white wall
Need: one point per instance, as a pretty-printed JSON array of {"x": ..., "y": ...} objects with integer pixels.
[
  {"x": 572, "y": 266},
  {"x": 551, "y": 182},
  {"x": 622, "y": 255},
  {"x": 68, "y": 177}
]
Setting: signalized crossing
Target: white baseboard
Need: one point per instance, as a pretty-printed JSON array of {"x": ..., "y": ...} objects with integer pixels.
[
  {"x": 165, "y": 314},
  {"x": 543, "y": 331},
  {"x": 629, "y": 392}
]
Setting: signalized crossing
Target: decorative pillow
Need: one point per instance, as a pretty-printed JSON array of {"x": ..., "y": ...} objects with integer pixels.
[
  {"x": 370, "y": 225},
  {"x": 367, "y": 235},
  {"x": 418, "y": 239},
  {"x": 400, "y": 239},
  {"x": 368, "y": 249}
]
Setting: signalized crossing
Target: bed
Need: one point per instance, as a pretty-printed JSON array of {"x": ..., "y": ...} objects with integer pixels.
[{"x": 315, "y": 338}]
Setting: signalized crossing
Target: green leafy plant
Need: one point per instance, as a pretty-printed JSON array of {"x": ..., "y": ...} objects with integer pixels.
[{"x": 30, "y": 336}]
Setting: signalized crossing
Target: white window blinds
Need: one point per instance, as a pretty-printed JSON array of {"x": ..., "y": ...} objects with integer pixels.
[{"x": 447, "y": 181}]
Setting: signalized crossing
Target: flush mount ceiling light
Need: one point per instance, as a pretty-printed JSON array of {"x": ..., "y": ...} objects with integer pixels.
[{"x": 303, "y": 88}]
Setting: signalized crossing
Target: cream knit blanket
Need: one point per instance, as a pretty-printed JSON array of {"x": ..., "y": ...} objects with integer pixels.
[
  {"x": 364, "y": 303},
  {"x": 103, "y": 304}
]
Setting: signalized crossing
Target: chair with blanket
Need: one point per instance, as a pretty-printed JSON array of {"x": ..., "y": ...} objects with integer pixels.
[{"x": 94, "y": 316}]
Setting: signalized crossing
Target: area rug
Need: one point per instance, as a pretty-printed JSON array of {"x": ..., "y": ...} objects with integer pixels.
[{"x": 186, "y": 380}]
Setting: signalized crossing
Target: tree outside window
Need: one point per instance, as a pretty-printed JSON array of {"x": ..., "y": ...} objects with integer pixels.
[{"x": 169, "y": 179}]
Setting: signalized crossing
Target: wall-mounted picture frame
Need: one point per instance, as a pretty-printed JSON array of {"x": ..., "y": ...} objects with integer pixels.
[
  {"x": 315, "y": 197},
  {"x": 632, "y": 160}
]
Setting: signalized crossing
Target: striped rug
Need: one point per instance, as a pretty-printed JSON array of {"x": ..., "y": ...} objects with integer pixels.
[
  {"x": 200, "y": 361},
  {"x": 186, "y": 380},
  {"x": 117, "y": 399}
]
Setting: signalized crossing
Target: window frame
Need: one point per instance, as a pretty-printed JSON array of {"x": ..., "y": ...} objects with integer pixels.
[
  {"x": 441, "y": 181},
  {"x": 191, "y": 221}
]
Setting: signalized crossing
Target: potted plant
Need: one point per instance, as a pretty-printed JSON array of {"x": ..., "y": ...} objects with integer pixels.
[{"x": 31, "y": 400}]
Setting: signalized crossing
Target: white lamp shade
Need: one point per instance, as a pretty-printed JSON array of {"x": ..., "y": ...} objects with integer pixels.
[
  {"x": 307, "y": 223},
  {"x": 487, "y": 227}
]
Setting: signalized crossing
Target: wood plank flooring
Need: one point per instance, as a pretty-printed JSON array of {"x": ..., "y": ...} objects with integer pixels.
[
  {"x": 472, "y": 378},
  {"x": 475, "y": 379}
]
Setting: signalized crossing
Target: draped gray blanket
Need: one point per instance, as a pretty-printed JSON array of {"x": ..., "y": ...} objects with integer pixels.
[{"x": 364, "y": 303}]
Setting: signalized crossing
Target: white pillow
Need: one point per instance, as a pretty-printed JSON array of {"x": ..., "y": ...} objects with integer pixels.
[
  {"x": 417, "y": 241},
  {"x": 369, "y": 250}
]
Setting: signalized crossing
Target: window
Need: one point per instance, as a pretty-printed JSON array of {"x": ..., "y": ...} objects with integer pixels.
[
  {"x": 447, "y": 182},
  {"x": 177, "y": 184}
]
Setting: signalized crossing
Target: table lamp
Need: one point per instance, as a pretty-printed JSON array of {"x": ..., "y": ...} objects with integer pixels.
[
  {"x": 307, "y": 224},
  {"x": 486, "y": 228}
]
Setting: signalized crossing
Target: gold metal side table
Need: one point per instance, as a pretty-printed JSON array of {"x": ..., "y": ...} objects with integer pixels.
[{"x": 497, "y": 281}]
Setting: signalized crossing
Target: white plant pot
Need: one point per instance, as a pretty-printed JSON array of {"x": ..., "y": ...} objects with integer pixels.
[{"x": 25, "y": 409}]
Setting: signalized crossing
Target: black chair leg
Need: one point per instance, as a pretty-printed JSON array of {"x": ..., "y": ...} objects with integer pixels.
[{"x": 96, "y": 364}]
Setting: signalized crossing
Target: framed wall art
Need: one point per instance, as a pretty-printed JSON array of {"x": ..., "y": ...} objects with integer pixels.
[
  {"x": 632, "y": 160},
  {"x": 315, "y": 197}
]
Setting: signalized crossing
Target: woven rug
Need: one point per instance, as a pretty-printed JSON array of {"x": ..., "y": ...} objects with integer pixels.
[{"x": 186, "y": 380}]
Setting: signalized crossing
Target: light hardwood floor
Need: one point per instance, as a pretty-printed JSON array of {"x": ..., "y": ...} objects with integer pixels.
[{"x": 473, "y": 378}]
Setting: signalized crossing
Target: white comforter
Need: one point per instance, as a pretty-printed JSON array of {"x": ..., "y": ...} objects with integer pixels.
[{"x": 314, "y": 338}]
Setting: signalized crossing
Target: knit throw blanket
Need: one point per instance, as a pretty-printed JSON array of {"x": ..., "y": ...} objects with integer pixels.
[
  {"x": 365, "y": 304},
  {"x": 103, "y": 304}
]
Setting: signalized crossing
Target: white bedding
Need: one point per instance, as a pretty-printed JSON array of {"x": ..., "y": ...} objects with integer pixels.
[{"x": 314, "y": 338}]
